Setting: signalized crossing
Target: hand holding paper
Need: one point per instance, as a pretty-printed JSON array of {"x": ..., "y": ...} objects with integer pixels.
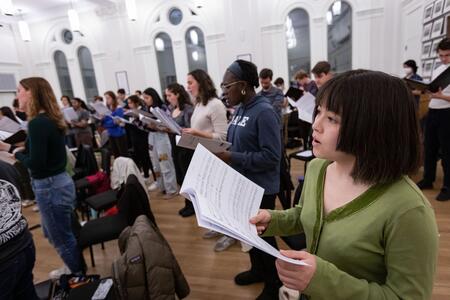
[{"x": 224, "y": 200}]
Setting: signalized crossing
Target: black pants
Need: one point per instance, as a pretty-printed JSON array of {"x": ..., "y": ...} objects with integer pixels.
[
  {"x": 437, "y": 136},
  {"x": 141, "y": 155},
  {"x": 263, "y": 264},
  {"x": 16, "y": 276},
  {"x": 119, "y": 146}
]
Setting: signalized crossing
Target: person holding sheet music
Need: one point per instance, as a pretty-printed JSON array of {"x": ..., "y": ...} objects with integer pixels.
[
  {"x": 80, "y": 127},
  {"x": 45, "y": 156},
  {"x": 371, "y": 234},
  {"x": 161, "y": 150},
  {"x": 209, "y": 119},
  {"x": 254, "y": 132},
  {"x": 116, "y": 131},
  {"x": 139, "y": 139},
  {"x": 437, "y": 130},
  {"x": 410, "y": 68},
  {"x": 181, "y": 112}
]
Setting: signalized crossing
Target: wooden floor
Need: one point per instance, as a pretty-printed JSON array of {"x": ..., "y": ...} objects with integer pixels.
[{"x": 210, "y": 274}]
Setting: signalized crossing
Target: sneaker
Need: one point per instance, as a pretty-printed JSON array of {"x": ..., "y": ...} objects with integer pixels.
[
  {"x": 187, "y": 212},
  {"x": 424, "y": 185},
  {"x": 55, "y": 274},
  {"x": 153, "y": 187},
  {"x": 246, "y": 278},
  {"x": 210, "y": 234},
  {"x": 224, "y": 243},
  {"x": 170, "y": 196},
  {"x": 444, "y": 194}
]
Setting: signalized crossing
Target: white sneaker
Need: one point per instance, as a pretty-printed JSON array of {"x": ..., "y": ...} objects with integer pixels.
[
  {"x": 55, "y": 274},
  {"x": 153, "y": 187}
]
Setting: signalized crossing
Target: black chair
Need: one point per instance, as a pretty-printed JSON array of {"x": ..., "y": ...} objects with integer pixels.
[
  {"x": 86, "y": 163},
  {"x": 133, "y": 201}
]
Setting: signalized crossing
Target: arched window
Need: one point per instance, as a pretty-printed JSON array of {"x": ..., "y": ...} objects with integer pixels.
[
  {"x": 87, "y": 73},
  {"x": 195, "y": 49},
  {"x": 166, "y": 63},
  {"x": 339, "y": 19},
  {"x": 62, "y": 70},
  {"x": 298, "y": 42}
]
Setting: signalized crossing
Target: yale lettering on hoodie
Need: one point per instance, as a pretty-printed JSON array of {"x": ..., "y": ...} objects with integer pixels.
[{"x": 240, "y": 121}]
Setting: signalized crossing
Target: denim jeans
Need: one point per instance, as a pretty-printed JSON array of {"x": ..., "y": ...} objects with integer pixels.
[
  {"x": 161, "y": 156},
  {"x": 55, "y": 197},
  {"x": 16, "y": 276}
]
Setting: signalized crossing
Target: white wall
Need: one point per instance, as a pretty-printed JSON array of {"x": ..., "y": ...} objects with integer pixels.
[{"x": 385, "y": 33}]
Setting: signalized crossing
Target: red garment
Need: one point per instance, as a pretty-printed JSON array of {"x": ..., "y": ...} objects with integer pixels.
[{"x": 99, "y": 182}]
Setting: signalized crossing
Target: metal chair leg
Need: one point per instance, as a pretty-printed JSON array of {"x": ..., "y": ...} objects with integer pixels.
[{"x": 92, "y": 256}]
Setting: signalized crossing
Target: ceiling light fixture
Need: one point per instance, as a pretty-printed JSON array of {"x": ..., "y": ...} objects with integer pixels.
[
  {"x": 24, "y": 29},
  {"x": 336, "y": 8},
  {"x": 131, "y": 9}
]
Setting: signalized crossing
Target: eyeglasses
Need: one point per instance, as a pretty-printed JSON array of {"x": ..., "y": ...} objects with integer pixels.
[{"x": 224, "y": 86}]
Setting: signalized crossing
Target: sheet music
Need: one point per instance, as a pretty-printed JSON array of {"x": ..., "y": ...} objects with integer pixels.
[
  {"x": 101, "y": 109},
  {"x": 190, "y": 141},
  {"x": 166, "y": 120},
  {"x": 8, "y": 125},
  {"x": 305, "y": 106},
  {"x": 224, "y": 200},
  {"x": 70, "y": 114},
  {"x": 291, "y": 102}
]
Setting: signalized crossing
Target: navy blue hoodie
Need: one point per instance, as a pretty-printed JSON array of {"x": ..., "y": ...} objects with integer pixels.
[{"x": 254, "y": 132}]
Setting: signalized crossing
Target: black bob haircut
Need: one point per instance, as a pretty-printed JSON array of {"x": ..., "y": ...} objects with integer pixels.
[{"x": 378, "y": 124}]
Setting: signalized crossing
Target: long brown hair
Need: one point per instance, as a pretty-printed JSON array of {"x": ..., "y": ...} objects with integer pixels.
[
  {"x": 207, "y": 90},
  {"x": 43, "y": 99},
  {"x": 114, "y": 103}
]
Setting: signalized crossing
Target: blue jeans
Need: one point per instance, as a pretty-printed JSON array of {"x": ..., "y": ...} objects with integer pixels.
[
  {"x": 16, "y": 276},
  {"x": 55, "y": 197},
  {"x": 161, "y": 156}
]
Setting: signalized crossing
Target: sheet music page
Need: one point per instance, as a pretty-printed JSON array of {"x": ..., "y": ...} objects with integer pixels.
[
  {"x": 4, "y": 135},
  {"x": 305, "y": 106},
  {"x": 8, "y": 125},
  {"x": 224, "y": 200},
  {"x": 101, "y": 109},
  {"x": 190, "y": 141},
  {"x": 291, "y": 102},
  {"x": 70, "y": 114},
  {"x": 166, "y": 120}
]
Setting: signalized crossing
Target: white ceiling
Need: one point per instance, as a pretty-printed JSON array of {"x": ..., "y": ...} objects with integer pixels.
[{"x": 38, "y": 9}]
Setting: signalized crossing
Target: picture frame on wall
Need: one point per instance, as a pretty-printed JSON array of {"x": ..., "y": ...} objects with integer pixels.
[
  {"x": 437, "y": 27},
  {"x": 437, "y": 63},
  {"x": 427, "y": 67},
  {"x": 433, "y": 50},
  {"x": 437, "y": 10},
  {"x": 446, "y": 6},
  {"x": 428, "y": 13},
  {"x": 427, "y": 31},
  {"x": 426, "y": 47},
  {"x": 246, "y": 56},
  {"x": 122, "y": 81}
]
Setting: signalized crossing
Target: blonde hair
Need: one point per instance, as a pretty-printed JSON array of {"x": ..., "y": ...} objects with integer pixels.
[{"x": 43, "y": 99}]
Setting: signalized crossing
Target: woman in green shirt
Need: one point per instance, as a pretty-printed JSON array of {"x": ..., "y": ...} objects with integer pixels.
[{"x": 371, "y": 233}]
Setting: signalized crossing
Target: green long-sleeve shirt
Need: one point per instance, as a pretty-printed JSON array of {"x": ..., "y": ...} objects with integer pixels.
[
  {"x": 381, "y": 245},
  {"x": 45, "y": 152}
]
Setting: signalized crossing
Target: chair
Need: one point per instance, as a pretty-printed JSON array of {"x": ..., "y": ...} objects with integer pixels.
[
  {"x": 86, "y": 163},
  {"x": 133, "y": 201}
]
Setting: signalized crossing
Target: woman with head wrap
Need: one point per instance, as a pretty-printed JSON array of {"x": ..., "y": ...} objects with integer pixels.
[{"x": 254, "y": 133}]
